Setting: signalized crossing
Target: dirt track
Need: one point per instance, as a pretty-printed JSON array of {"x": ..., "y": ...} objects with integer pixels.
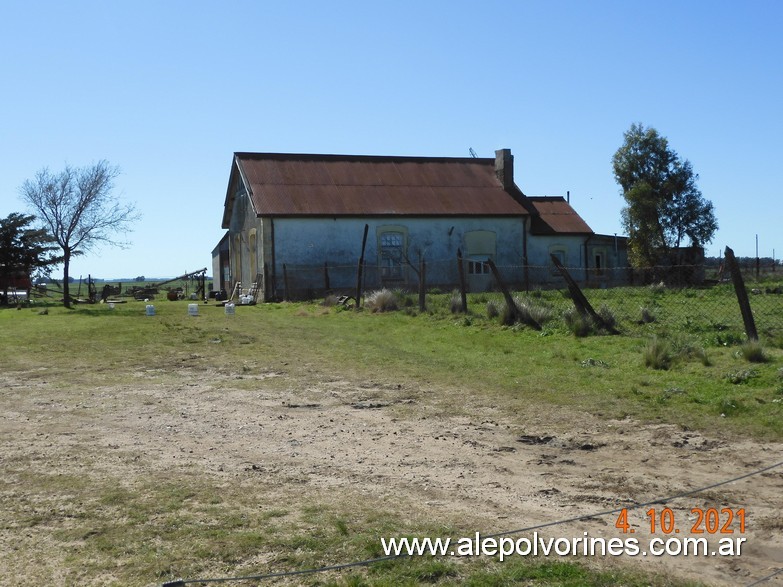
[{"x": 391, "y": 441}]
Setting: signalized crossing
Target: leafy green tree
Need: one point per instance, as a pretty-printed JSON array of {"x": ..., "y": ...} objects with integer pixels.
[
  {"x": 78, "y": 208},
  {"x": 664, "y": 206},
  {"x": 23, "y": 250}
]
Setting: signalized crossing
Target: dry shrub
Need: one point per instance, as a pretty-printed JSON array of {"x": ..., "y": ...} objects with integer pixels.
[
  {"x": 455, "y": 302},
  {"x": 382, "y": 300},
  {"x": 528, "y": 311}
]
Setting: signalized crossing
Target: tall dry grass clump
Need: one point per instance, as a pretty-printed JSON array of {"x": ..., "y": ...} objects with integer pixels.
[{"x": 382, "y": 300}]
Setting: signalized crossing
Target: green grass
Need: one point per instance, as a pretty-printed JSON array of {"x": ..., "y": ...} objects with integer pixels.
[
  {"x": 509, "y": 366},
  {"x": 156, "y": 528}
]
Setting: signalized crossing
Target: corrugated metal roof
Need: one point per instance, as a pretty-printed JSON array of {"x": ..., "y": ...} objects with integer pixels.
[
  {"x": 553, "y": 215},
  {"x": 346, "y": 185}
]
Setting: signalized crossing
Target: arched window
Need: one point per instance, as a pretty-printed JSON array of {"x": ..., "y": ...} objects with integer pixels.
[{"x": 392, "y": 248}]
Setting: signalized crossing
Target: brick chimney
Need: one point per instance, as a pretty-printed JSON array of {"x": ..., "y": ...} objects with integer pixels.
[{"x": 504, "y": 168}]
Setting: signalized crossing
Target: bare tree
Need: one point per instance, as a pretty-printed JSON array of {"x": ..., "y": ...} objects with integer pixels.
[{"x": 78, "y": 208}]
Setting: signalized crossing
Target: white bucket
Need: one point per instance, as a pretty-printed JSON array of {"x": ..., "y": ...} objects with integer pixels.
[
  {"x": 150, "y": 310},
  {"x": 230, "y": 309},
  {"x": 192, "y": 309}
]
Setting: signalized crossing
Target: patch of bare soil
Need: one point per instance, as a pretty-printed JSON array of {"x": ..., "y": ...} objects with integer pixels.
[{"x": 494, "y": 471}]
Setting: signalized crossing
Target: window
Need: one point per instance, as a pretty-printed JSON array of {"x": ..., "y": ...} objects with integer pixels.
[
  {"x": 479, "y": 246},
  {"x": 560, "y": 254},
  {"x": 391, "y": 254},
  {"x": 478, "y": 268},
  {"x": 599, "y": 263}
]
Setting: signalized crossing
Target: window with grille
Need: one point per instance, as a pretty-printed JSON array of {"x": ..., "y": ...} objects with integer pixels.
[
  {"x": 391, "y": 254},
  {"x": 478, "y": 268}
]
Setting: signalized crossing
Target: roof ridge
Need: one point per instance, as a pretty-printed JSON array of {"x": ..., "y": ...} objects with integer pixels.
[{"x": 346, "y": 157}]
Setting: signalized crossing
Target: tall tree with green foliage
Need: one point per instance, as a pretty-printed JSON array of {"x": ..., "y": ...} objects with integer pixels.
[
  {"x": 78, "y": 208},
  {"x": 664, "y": 206},
  {"x": 23, "y": 249}
]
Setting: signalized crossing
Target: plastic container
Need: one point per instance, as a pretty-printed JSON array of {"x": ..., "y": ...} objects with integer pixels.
[
  {"x": 150, "y": 310},
  {"x": 230, "y": 309},
  {"x": 192, "y": 309}
]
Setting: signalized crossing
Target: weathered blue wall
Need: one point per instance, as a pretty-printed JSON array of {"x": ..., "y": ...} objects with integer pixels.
[{"x": 312, "y": 242}]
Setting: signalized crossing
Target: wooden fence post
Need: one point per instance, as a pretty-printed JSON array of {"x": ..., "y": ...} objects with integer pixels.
[
  {"x": 462, "y": 288},
  {"x": 422, "y": 285},
  {"x": 580, "y": 301},
  {"x": 742, "y": 295},
  {"x": 510, "y": 303},
  {"x": 361, "y": 269},
  {"x": 326, "y": 277},
  {"x": 285, "y": 283}
]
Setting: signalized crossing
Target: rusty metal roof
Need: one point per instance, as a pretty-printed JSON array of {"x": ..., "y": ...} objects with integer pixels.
[
  {"x": 346, "y": 185},
  {"x": 554, "y": 215}
]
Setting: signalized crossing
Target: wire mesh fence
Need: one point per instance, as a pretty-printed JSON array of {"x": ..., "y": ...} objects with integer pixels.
[{"x": 694, "y": 298}]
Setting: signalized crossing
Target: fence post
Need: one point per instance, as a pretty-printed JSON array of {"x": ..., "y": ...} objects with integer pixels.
[
  {"x": 422, "y": 285},
  {"x": 580, "y": 301},
  {"x": 285, "y": 283},
  {"x": 267, "y": 284},
  {"x": 462, "y": 288},
  {"x": 512, "y": 306},
  {"x": 326, "y": 277},
  {"x": 361, "y": 269},
  {"x": 742, "y": 295}
]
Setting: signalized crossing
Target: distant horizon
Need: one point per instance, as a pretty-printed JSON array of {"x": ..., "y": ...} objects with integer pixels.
[
  {"x": 119, "y": 279},
  {"x": 708, "y": 258}
]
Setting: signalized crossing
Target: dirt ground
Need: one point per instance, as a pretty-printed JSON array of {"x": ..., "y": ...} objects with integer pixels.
[{"x": 386, "y": 440}]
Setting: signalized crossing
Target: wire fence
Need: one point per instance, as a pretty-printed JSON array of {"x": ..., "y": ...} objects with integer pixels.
[{"x": 694, "y": 298}]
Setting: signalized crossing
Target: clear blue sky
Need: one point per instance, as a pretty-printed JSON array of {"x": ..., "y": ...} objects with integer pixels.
[{"x": 169, "y": 90}]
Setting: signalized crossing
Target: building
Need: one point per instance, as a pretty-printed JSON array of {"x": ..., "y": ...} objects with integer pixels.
[{"x": 296, "y": 224}]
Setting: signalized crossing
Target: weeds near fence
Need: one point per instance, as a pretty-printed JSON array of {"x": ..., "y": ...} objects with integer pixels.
[
  {"x": 658, "y": 354},
  {"x": 753, "y": 351}
]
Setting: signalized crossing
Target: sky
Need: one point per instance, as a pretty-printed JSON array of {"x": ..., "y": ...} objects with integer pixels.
[{"x": 168, "y": 91}]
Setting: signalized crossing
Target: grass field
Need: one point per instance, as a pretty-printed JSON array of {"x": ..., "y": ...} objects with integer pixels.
[{"x": 73, "y": 514}]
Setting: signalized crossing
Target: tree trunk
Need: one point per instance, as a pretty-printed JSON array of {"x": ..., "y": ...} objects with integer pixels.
[{"x": 66, "y": 289}]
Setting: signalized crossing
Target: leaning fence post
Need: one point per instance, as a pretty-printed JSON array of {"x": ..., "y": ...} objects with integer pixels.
[
  {"x": 462, "y": 288},
  {"x": 510, "y": 303},
  {"x": 742, "y": 295},
  {"x": 580, "y": 301}
]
